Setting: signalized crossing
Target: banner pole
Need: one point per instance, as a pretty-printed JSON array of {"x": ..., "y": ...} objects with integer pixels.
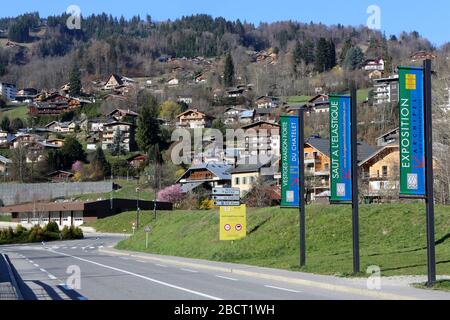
[
  {"x": 431, "y": 255},
  {"x": 301, "y": 192},
  {"x": 355, "y": 195}
]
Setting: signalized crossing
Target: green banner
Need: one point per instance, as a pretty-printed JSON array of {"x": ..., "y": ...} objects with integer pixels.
[{"x": 412, "y": 132}]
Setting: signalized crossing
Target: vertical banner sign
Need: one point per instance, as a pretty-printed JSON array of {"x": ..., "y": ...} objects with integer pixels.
[
  {"x": 340, "y": 149},
  {"x": 233, "y": 223},
  {"x": 290, "y": 169},
  {"x": 412, "y": 132}
]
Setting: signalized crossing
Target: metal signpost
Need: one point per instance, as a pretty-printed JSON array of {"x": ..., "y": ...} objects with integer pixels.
[
  {"x": 293, "y": 170},
  {"x": 344, "y": 160},
  {"x": 416, "y": 148},
  {"x": 226, "y": 197},
  {"x": 147, "y": 230}
]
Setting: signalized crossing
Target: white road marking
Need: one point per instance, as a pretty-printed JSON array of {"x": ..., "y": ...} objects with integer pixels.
[
  {"x": 227, "y": 278},
  {"x": 141, "y": 261},
  {"x": 189, "y": 270},
  {"x": 43, "y": 270},
  {"x": 161, "y": 265},
  {"x": 141, "y": 276},
  {"x": 73, "y": 247},
  {"x": 30, "y": 261},
  {"x": 283, "y": 289},
  {"x": 36, "y": 265},
  {"x": 100, "y": 247},
  {"x": 51, "y": 276},
  {"x": 91, "y": 247}
]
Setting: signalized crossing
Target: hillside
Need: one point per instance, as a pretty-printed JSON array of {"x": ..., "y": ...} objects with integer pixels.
[{"x": 392, "y": 236}]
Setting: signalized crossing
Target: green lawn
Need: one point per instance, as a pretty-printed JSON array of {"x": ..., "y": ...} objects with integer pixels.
[
  {"x": 392, "y": 237},
  {"x": 13, "y": 112},
  {"x": 363, "y": 94},
  {"x": 298, "y": 99},
  {"x": 5, "y": 218},
  {"x": 127, "y": 191}
]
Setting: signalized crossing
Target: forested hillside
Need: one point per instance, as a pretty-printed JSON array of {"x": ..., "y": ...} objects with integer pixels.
[{"x": 39, "y": 52}]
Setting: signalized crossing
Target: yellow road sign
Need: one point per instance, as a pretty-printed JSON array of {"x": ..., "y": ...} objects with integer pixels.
[{"x": 233, "y": 223}]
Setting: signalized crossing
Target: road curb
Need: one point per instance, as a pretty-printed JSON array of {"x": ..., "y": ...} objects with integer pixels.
[
  {"x": 309, "y": 283},
  {"x": 12, "y": 278}
]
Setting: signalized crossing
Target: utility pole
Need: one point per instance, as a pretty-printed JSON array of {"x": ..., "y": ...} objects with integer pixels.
[
  {"x": 301, "y": 187},
  {"x": 431, "y": 254},
  {"x": 137, "y": 208},
  {"x": 355, "y": 176}
]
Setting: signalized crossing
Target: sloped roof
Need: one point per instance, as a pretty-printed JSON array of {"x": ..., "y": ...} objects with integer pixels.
[
  {"x": 323, "y": 145},
  {"x": 5, "y": 160},
  {"x": 220, "y": 170}
]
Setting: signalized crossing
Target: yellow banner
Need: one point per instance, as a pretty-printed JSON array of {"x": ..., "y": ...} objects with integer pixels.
[{"x": 233, "y": 223}]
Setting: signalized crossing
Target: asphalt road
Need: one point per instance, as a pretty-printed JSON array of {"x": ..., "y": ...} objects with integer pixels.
[{"x": 77, "y": 270}]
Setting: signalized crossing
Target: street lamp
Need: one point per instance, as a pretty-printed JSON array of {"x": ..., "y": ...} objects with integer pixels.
[{"x": 137, "y": 208}]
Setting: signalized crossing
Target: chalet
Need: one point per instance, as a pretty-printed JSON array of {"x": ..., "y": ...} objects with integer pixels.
[
  {"x": 62, "y": 127},
  {"x": 127, "y": 131},
  {"x": 123, "y": 115},
  {"x": 173, "y": 82},
  {"x": 422, "y": 55},
  {"x": 36, "y": 147},
  {"x": 193, "y": 118},
  {"x": 207, "y": 175},
  {"x": 235, "y": 92},
  {"x": 200, "y": 78},
  {"x": 266, "y": 102},
  {"x": 261, "y": 139},
  {"x": 380, "y": 171},
  {"x": 374, "y": 64},
  {"x": 137, "y": 160},
  {"x": 5, "y": 137},
  {"x": 60, "y": 176},
  {"x": 116, "y": 81},
  {"x": 231, "y": 115},
  {"x": 245, "y": 176},
  {"x": 26, "y": 95},
  {"x": 390, "y": 137},
  {"x": 265, "y": 114},
  {"x": 317, "y": 166},
  {"x": 54, "y": 104},
  {"x": 319, "y": 104},
  {"x": 5, "y": 164},
  {"x": 246, "y": 117}
]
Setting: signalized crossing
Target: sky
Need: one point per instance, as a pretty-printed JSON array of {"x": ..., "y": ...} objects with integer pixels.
[{"x": 430, "y": 18}]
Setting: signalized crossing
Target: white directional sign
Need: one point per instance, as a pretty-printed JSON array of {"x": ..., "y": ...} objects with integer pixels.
[
  {"x": 227, "y": 203},
  {"x": 227, "y": 191},
  {"x": 226, "y": 198}
]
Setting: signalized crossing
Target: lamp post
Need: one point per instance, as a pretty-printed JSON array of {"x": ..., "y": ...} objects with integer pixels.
[{"x": 137, "y": 208}]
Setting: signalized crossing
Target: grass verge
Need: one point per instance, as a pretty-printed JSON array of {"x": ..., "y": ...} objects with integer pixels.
[{"x": 392, "y": 237}]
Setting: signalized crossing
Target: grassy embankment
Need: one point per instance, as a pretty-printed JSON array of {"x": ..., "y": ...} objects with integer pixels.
[
  {"x": 127, "y": 191},
  {"x": 392, "y": 237}
]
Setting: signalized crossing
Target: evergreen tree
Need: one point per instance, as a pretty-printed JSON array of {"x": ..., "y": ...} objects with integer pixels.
[
  {"x": 71, "y": 151},
  {"x": 75, "y": 82},
  {"x": 100, "y": 166},
  {"x": 308, "y": 52},
  {"x": 4, "y": 125},
  {"x": 228, "y": 72},
  {"x": 331, "y": 54},
  {"x": 148, "y": 131},
  {"x": 322, "y": 56},
  {"x": 354, "y": 59},
  {"x": 347, "y": 45},
  {"x": 19, "y": 31},
  {"x": 116, "y": 147}
]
